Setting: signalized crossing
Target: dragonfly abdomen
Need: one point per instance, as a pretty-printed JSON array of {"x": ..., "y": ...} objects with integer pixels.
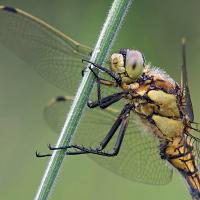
[
  {"x": 194, "y": 185},
  {"x": 179, "y": 153}
]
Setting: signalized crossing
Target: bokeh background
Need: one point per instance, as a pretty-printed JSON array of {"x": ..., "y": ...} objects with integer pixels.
[{"x": 154, "y": 27}]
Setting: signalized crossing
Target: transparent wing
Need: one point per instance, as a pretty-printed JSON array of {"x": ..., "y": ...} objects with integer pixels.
[
  {"x": 193, "y": 139},
  {"x": 55, "y": 56},
  {"x": 139, "y": 157},
  {"x": 184, "y": 85}
]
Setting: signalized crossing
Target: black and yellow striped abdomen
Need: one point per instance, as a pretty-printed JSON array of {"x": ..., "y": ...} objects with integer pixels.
[{"x": 179, "y": 153}]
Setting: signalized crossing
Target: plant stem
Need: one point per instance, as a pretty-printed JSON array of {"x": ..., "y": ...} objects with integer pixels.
[{"x": 107, "y": 35}]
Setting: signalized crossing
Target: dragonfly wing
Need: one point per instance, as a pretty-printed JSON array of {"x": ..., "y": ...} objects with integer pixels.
[
  {"x": 184, "y": 85},
  {"x": 55, "y": 56},
  {"x": 193, "y": 138},
  {"x": 139, "y": 157}
]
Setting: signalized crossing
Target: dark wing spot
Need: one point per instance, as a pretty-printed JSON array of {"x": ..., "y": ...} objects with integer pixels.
[
  {"x": 10, "y": 9},
  {"x": 60, "y": 98}
]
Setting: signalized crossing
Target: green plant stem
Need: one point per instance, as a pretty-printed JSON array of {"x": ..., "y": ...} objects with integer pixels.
[{"x": 107, "y": 35}]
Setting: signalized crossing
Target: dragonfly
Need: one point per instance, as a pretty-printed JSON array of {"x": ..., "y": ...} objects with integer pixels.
[{"x": 139, "y": 123}]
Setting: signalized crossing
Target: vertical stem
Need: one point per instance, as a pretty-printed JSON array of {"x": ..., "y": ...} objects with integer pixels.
[{"x": 107, "y": 35}]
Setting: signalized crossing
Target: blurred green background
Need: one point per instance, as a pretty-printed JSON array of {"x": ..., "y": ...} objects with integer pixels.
[{"x": 154, "y": 27}]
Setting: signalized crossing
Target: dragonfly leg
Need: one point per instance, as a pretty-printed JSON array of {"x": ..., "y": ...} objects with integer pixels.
[
  {"x": 100, "y": 81},
  {"x": 106, "y": 101},
  {"x": 121, "y": 120},
  {"x": 119, "y": 141},
  {"x": 108, "y": 71},
  {"x": 39, "y": 155},
  {"x": 42, "y": 155}
]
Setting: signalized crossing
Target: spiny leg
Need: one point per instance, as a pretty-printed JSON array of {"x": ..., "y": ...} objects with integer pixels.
[
  {"x": 100, "y": 81},
  {"x": 121, "y": 120},
  {"x": 83, "y": 150},
  {"x": 122, "y": 116},
  {"x": 99, "y": 149},
  {"x": 108, "y": 71},
  {"x": 107, "y": 101},
  {"x": 116, "y": 147},
  {"x": 39, "y": 155}
]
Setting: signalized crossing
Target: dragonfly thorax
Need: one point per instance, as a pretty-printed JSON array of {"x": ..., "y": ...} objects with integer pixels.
[{"x": 128, "y": 64}]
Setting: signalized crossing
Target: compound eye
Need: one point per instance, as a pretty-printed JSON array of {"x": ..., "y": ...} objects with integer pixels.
[{"x": 134, "y": 64}]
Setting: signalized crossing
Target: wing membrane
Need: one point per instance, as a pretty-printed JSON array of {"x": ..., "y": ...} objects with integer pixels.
[
  {"x": 55, "y": 56},
  {"x": 184, "y": 85},
  {"x": 139, "y": 158}
]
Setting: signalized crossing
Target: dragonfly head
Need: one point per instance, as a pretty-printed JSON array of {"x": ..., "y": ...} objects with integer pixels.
[{"x": 128, "y": 63}]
